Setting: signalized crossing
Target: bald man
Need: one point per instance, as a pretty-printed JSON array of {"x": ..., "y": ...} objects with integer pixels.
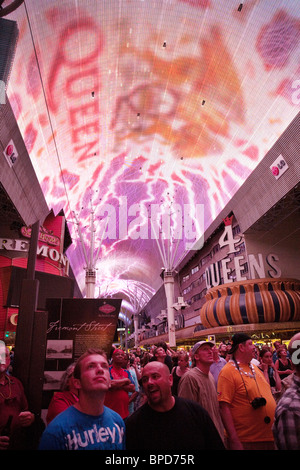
[
  {"x": 286, "y": 427},
  {"x": 166, "y": 422}
]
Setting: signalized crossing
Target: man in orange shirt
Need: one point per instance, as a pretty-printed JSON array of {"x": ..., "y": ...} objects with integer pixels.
[{"x": 246, "y": 403}]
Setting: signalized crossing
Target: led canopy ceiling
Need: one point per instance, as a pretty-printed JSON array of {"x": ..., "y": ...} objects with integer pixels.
[{"x": 147, "y": 116}]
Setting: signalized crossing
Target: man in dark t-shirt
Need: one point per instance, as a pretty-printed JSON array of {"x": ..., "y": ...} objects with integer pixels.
[{"x": 167, "y": 422}]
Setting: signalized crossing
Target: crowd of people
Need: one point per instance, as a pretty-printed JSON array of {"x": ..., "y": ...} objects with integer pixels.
[{"x": 232, "y": 396}]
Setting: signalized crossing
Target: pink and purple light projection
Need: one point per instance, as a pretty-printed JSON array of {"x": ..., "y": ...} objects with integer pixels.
[{"x": 133, "y": 106}]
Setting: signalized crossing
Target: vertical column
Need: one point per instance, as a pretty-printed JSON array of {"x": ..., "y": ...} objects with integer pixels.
[
  {"x": 90, "y": 281},
  {"x": 37, "y": 362},
  {"x": 27, "y": 308},
  {"x": 169, "y": 289},
  {"x": 136, "y": 327}
]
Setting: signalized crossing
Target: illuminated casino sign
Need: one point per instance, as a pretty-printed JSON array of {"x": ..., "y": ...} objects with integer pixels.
[
  {"x": 43, "y": 250},
  {"x": 44, "y": 235},
  {"x": 220, "y": 269}
]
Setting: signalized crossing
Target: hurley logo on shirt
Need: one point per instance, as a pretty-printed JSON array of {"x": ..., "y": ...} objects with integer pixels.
[{"x": 90, "y": 437}]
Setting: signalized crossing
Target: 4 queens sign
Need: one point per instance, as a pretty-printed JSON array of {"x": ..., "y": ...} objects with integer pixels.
[{"x": 151, "y": 221}]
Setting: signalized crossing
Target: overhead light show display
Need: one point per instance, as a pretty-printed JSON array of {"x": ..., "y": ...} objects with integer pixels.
[{"x": 143, "y": 118}]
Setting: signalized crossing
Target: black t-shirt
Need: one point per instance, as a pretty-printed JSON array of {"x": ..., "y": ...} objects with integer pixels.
[{"x": 187, "y": 426}]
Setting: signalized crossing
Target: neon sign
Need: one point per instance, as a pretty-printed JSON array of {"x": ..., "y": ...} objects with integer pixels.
[
  {"x": 44, "y": 235},
  {"x": 43, "y": 250},
  {"x": 218, "y": 270}
]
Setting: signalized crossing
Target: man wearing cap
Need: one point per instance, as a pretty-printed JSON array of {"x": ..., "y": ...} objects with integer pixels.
[
  {"x": 246, "y": 402},
  {"x": 198, "y": 384},
  {"x": 286, "y": 428}
]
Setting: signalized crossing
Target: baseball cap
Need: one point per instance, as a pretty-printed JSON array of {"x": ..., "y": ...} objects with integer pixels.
[
  {"x": 237, "y": 339},
  {"x": 200, "y": 343},
  {"x": 118, "y": 351}
]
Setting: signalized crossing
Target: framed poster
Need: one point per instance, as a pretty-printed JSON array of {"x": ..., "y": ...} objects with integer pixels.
[
  {"x": 75, "y": 325},
  {"x": 86, "y": 322}
]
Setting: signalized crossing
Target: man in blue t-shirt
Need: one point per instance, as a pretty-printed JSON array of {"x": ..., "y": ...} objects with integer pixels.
[{"x": 87, "y": 425}]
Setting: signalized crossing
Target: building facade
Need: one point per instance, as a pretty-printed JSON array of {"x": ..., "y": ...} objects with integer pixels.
[
  {"x": 22, "y": 204},
  {"x": 251, "y": 247}
]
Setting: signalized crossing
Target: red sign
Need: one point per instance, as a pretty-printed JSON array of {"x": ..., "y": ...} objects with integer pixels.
[
  {"x": 10, "y": 153},
  {"x": 44, "y": 236},
  {"x": 9, "y": 150},
  {"x": 107, "y": 308}
]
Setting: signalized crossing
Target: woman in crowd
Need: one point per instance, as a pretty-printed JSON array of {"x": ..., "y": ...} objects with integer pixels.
[
  {"x": 283, "y": 364},
  {"x": 179, "y": 370},
  {"x": 67, "y": 396},
  {"x": 270, "y": 372}
]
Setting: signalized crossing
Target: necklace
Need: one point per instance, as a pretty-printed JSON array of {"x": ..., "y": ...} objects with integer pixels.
[{"x": 239, "y": 368}]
